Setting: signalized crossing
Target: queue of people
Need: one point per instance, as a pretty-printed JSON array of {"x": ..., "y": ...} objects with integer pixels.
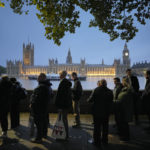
[{"x": 122, "y": 102}]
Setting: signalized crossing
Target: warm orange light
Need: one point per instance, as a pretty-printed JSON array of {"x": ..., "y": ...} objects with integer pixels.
[
  {"x": 101, "y": 74},
  {"x": 104, "y": 72},
  {"x": 34, "y": 73}
]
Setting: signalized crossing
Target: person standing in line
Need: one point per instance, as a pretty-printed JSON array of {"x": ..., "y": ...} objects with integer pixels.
[
  {"x": 17, "y": 93},
  {"x": 146, "y": 96},
  {"x": 117, "y": 89},
  {"x": 5, "y": 89},
  {"x": 49, "y": 84},
  {"x": 39, "y": 107},
  {"x": 63, "y": 99},
  {"x": 77, "y": 93},
  {"x": 134, "y": 85},
  {"x": 125, "y": 105},
  {"x": 98, "y": 84},
  {"x": 101, "y": 98}
]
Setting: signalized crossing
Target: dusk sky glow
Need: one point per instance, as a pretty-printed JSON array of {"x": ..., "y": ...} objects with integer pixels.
[{"x": 88, "y": 43}]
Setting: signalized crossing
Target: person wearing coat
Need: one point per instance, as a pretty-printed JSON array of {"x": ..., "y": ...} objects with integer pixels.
[
  {"x": 125, "y": 102},
  {"x": 77, "y": 93},
  {"x": 101, "y": 98},
  {"x": 134, "y": 85},
  {"x": 117, "y": 89},
  {"x": 39, "y": 107},
  {"x": 146, "y": 95},
  {"x": 63, "y": 100},
  {"x": 5, "y": 97},
  {"x": 17, "y": 94}
]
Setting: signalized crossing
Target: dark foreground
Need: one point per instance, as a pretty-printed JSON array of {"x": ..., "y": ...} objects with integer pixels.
[{"x": 19, "y": 139}]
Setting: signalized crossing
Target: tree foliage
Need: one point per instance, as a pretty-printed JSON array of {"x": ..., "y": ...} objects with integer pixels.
[
  {"x": 1, "y": 4},
  {"x": 2, "y": 70},
  {"x": 117, "y": 18}
]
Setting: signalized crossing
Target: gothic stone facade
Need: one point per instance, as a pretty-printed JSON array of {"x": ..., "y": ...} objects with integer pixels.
[
  {"x": 141, "y": 67},
  {"x": 27, "y": 67}
]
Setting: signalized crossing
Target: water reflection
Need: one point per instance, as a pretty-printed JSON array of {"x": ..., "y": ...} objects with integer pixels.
[{"x": 89, "y": 84}]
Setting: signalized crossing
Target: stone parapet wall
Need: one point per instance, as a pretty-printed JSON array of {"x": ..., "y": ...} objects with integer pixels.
[{"x": 84, "y": 106}]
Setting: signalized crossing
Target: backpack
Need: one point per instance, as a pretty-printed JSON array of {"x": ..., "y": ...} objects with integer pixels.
[
  {"x": 18, "y": 91},
  {"x": 22, "y": 93}
]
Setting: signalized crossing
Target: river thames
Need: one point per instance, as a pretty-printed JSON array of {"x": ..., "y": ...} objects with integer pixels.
[{"x": 89, "y": 84}]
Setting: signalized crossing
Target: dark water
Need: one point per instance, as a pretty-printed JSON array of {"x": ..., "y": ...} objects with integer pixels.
[{"x": 89, "y": 84}]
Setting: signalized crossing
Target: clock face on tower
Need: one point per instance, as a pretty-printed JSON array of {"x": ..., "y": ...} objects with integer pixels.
[{"x": 126, "y": 54}]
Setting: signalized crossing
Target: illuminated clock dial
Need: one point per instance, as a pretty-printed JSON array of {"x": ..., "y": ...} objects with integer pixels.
[{"x": 126, "y": 54}]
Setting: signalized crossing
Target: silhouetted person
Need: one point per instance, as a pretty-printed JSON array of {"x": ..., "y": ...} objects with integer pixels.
[
  {"x": 117, "y": 89},
  {"x": 17, "y": 93},
  {"x": 39, "y": 106},
  {"x": 5, "y": 90},
  {"x": 77, "y": 93},
  {"x": 134, "y": 85},
  {"x": 125, "y": 102},
  {"x": 146, "y": 95},
  {"x": 63, "y": 99},
  {"x": 49, "y": 84},
  {"x": 101, "y": 98}
]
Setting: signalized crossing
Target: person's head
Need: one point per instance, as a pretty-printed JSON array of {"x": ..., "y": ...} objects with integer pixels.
[
  {"x": 5, "y": 78},
  {"x": 48, "y": 83},
  {"x": 147, "y": 74},
  {"x": 125, "y": 82},
  {"x": 63, "y": 74},
  {"x": 98, "y": 83},
  {"x": 116, "y": 80},
  {"x": 129, "y": 72},
  {"x": 103, "y": 82},
  {"x": 13, "y": 80},
  {"x": 41, "y": 77},
  {"x": 74, "y": 75}
]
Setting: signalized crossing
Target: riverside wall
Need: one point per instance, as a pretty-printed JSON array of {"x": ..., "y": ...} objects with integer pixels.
[{"x": 85, "y": 107}]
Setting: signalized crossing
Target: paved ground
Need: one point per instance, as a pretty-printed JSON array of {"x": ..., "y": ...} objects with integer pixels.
[{"x": 20, "y": 140}]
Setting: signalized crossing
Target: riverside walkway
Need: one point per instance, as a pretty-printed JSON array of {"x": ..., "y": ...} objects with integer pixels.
[{"x": 19, "y": 139}]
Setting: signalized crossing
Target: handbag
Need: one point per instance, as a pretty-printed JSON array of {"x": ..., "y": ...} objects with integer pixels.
[
  {"x": 59, "y": 131},
  {"x": 31, "y": 125}
]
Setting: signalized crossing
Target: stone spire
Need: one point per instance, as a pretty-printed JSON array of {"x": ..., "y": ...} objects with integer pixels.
[
  {"x": 102, "y": 61},
  {"x": 125, "y": 46},
  {"x": 125, "y": 56},
  {"x": 69, "y": 57}
]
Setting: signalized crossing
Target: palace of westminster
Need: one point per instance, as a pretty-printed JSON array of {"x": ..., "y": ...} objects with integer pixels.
[{"x": 27, "y": 67}]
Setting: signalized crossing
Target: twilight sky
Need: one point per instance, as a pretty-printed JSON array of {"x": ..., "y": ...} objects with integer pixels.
[{"x": 89, "y": 43}]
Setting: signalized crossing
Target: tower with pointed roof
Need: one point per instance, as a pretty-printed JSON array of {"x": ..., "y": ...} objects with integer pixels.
[
  {"x": 28, "y": 54},
  {"x": 102, "y": 61},
  {"x": 126, "y": 58},
  {"x": 69, "y": 58}
]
